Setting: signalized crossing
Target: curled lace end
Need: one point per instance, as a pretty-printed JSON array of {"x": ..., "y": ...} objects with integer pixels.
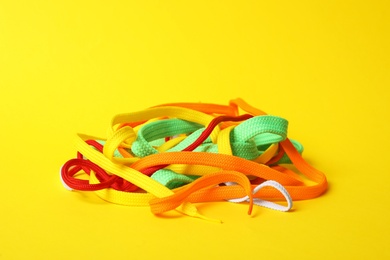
[
  {"x": 190, "y": 210},
  {"x": 250, "y": 205}
]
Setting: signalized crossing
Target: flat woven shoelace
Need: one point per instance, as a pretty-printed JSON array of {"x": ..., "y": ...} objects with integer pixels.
[{"x": 170, "y": 156}]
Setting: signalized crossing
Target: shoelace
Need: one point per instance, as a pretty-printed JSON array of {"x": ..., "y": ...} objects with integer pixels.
[{"x": 173, "y": 155}]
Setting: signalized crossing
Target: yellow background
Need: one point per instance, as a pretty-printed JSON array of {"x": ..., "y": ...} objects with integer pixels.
[{"x": 69, "y": 66}]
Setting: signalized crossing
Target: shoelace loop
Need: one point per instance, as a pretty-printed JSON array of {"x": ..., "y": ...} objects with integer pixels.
[{"x": 173, "y": 155}]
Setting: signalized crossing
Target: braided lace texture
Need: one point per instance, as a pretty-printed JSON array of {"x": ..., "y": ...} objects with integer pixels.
[{"x": 171, "y": 156}]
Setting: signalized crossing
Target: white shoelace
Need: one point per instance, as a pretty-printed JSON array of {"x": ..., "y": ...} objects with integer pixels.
[{"x": 266, "y": 203}]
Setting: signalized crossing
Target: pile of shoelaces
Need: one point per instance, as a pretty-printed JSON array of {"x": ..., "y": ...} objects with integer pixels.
[{"x": 171, "y": 156}]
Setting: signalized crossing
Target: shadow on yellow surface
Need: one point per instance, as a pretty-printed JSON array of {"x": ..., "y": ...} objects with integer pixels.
[{"x": 69, "y": 66}]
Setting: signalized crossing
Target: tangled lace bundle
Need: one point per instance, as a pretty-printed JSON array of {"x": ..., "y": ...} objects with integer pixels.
[{"x": 171, "y": 156}]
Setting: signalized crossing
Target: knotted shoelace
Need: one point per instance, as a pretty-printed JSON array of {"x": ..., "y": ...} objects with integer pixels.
[{"x": 171, "y": 156}]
